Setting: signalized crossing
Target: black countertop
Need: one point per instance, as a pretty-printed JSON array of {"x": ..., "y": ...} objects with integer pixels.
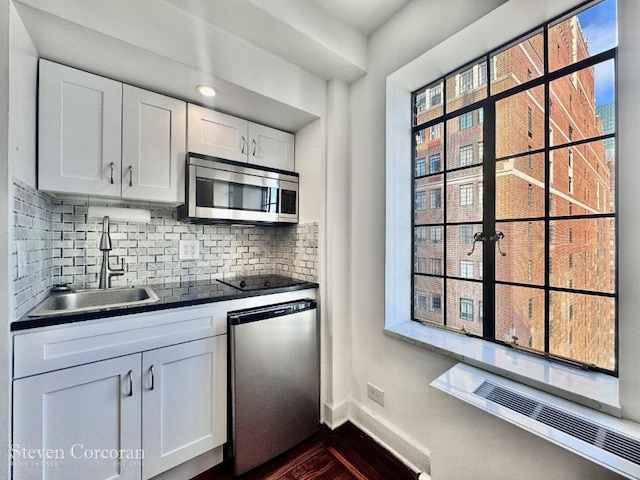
[{"x": 171, "y": 295}]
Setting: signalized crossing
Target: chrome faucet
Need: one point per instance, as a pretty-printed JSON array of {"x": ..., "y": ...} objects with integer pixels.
[{"x": 106, "y": 272}]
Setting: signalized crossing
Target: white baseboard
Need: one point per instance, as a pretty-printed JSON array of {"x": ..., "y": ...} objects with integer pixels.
[
  {"x": 406, "y": 449},
  {"x": 193, "y": 467},
  {"x": 336, "y": 415}
]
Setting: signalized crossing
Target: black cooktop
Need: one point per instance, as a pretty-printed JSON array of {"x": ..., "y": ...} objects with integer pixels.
[{"x": 256, "y": 282}]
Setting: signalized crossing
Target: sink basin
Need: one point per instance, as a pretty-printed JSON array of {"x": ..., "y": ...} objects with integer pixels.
[{"x": 91, "y": 300}]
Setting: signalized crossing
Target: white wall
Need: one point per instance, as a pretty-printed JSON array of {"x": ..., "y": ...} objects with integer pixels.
[
  {"x": 416, "y": 420},
  {"x": 22, "y": 107},
  {"x": 5, "y": 307},
  {"x": 309, "y": 160}
]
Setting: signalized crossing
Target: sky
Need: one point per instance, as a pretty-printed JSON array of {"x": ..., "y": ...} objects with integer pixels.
[{"x": 599, "y": 24}]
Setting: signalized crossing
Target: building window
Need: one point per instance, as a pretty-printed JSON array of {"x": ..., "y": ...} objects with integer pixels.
[
  {"x": 533, "y": 263},
  {"x": 435, "y": 266},
  {"x": 480, "y": 312},
  {"x": 434, "y": 199},
  {"x": 466, "y": 268},
  {"x": 434, "y": 132},
  {"x": 421, "y": 265},
  {"x": 466, "y": 194},
  {"x": 435, "y": 95},
  {"x": 466, "y": 309},
  {"x": 421, "y": 167},
  {"x": 421, "y": 102},
  {"x": 482, "y": 73},
  {"x": 421, "y": 301},
  {"x": 421, "y": 235},
  {"x": 421, "y": 201},
  {"x": 435, "y": 234},
  {"x": 465, "y": 80},
  {"x": 434, "y": 163},
  {"x": 436, "y": 303},
  {"x": 466, "y": 120},
  {"x": 466, "y": 234},
  {"x": 466, "y": 155},
  {"x": 420, "y": 137}
]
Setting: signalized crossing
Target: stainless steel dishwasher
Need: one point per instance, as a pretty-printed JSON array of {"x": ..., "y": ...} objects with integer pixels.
[{"x": 275, "y": 380}]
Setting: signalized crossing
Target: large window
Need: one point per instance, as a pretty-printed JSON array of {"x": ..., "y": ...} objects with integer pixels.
[{"x": 544, "y": 244}]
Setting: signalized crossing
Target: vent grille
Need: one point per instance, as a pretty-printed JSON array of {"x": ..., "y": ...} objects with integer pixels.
[{"x": 580, "y": 428}]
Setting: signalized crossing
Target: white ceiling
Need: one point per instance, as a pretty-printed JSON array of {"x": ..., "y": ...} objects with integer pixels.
[{"x": 363, "y": 15}]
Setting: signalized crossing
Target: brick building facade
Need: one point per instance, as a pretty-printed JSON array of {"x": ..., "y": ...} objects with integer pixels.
[{"x": 580, "y": 177}]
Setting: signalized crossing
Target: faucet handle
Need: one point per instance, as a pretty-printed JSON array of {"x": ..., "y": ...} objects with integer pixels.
[{"x": 118, "y": 271}]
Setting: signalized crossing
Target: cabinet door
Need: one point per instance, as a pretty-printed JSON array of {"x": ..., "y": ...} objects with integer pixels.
[
  {"x": 65, "y": 422},
  {"x": 153, "y": 146},
  {"x": 216, "y": 134},
  {"x": 79, "y": 130},
  {"x": 184, "y": 408},
  {"x": 270, "y": 147}
]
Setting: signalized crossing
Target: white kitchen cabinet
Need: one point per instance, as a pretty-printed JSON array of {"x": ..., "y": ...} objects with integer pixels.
[
  {"x": 75, "y": 417},
  {"x": 224, "y": 136},
  {"x": 153, "y": 146},
  {"x": 216, "y": 134},
  {"x": 79, "y": 127},
  {"x": 271, "y": 148},
  {"x": 100, "y": 137},
  {"x": 184, "y": 404}
]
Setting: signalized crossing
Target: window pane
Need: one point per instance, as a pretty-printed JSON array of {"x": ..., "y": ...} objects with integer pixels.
[
  {"x": 523, "y": 244},
  {"x": 462, "y": 195},
  {"x": 431, "y": 289},
  {"x": 590, "y": 243},
  {"x": 572, "y": 102},
  {"x": 464, "y": 136},
  {"x": 582, "y": 327},
  {"x": 583, "y": 180},
  {"x": 429, "y": 147},
  {"x": 517, "y": 63},
  {"x": 520, "y": 313},
  {"x": 427, "y": 103},
  {"x": 459, "y": 244},
  {"x": 428, "y": 200},
  {"x": 581, "y": 36},
  {"x": 520, "y": 187},
  {"x": 463, "y": 300},
  {"x": 467, "y": 86},
  {"x": 513, "y": 136},
  {"x": 428, "y": 251}
]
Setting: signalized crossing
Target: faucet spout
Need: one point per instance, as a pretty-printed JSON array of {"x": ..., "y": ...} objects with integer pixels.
[{"x": 106, "y": 272}]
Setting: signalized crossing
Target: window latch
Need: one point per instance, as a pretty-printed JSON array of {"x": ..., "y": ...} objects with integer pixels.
[{"x": 481, "y": 237}]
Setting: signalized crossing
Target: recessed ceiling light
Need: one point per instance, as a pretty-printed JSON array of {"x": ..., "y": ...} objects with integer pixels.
[{"x": 206, "y": 90}]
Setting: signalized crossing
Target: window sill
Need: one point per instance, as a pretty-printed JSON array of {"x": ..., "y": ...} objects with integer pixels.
[{"x": 591, "y": 389}]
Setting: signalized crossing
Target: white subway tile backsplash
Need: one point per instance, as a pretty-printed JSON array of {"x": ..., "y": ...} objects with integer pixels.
[{"x": 63, "y": 247}]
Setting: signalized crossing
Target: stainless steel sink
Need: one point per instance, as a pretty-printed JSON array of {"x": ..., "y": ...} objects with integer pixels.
[{"x": 94, "y": 299}]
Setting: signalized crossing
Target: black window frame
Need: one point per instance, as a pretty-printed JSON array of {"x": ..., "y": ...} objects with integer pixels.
[{"x": 549, "y": 147}]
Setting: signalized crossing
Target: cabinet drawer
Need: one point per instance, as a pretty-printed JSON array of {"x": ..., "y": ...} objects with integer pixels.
[{"x": 53, "y": 348}]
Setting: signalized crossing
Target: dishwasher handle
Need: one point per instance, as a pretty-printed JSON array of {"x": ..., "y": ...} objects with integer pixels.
[{"x": 255, "y": 314}]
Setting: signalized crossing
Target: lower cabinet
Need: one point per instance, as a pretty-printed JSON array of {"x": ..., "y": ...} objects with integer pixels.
[{"x": 129, "y": 417}]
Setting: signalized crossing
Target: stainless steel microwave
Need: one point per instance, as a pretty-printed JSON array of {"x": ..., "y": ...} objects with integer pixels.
[{"x": 223, "y": 191}]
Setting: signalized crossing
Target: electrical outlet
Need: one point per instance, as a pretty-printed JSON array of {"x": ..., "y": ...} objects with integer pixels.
[
  {"x": 376, "y": 394},
  {"x": 189, "y": 249}
]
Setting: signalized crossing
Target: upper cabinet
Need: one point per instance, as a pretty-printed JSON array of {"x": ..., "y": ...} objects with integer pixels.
[
  {"x": 153, "y": 146},
  {"x": 224, "y": 136},
  {"x": 100, "y": 137}
]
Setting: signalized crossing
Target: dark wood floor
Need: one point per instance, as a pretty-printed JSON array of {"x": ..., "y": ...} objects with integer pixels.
[{"x": 343, "y": 454}]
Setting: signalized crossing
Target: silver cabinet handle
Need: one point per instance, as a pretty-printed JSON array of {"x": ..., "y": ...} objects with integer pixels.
[
  {"x": 112, "y": 166},
  {"x": 244, "y": 144},
  {"x": 130, "y": 375},
  {"x": 153, "y": 378},
  {"x": 254, "y": 147},
  {"x": 130, "y": 176}
]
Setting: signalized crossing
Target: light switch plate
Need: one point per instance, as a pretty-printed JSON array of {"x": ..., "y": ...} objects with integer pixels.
[{"x": 189, "y": 249}]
